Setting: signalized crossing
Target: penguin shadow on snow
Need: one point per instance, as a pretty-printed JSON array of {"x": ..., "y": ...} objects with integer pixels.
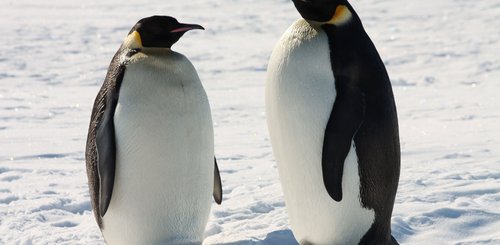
[{"x": 282, "y": 237}]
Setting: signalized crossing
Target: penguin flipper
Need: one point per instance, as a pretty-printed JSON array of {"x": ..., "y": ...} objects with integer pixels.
[
  {"x": 217, "y": 184},
  {"x": 345, "y": 119},
  {"x": 106, "y": 154},
  {"x": 100, "y": 152}
]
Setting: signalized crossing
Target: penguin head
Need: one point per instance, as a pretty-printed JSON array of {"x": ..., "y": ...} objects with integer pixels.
[
  {"x": 157, "y": 32},
  {"x": 333, "y": 12}
]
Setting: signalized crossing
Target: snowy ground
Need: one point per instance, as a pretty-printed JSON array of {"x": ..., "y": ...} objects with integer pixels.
[{"x": 443, "y": 57}]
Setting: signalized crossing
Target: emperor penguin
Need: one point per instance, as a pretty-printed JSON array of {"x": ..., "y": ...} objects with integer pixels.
[
  {"x": 333, "y": 127},
  {"x": 150, "y": 147}
]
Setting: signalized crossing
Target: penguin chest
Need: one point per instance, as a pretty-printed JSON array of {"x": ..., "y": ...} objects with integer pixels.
[
  {"x": 164, "y": 170},
  {"x": 300, "y": 92}
]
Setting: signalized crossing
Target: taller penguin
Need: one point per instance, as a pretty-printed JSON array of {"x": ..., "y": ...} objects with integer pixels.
[
  {"x": 333, "y": 126},
  {"x": 150, "y": 147}
]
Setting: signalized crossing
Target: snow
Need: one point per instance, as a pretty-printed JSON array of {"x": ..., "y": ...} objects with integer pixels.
[{"x": 442, "y": 57}]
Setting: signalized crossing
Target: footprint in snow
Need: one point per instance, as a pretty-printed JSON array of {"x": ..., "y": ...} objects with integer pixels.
[
  {"x": 7, "y": 200},
  {"x": 10, "y": 178},
  {"x": 64, "y": 224}
]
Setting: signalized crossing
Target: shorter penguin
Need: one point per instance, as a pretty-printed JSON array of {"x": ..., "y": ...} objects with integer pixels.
[
  {"x": 334, "y": 129},
  {"x": 150, "y": 146}
]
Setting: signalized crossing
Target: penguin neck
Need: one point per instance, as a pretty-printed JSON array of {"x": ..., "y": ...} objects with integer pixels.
[
  {"x": 155, "y": 51},
  {"x": 349, "y": 29},
  {"x": 130, "y": 51},
  {"x": 138, "y": 54},
  {"x": 347, "y": 39},
  {"x": 348, "y": 44}
]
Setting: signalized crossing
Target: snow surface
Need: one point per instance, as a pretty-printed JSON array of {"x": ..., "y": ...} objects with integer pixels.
[{"x": 443, "y": 58}]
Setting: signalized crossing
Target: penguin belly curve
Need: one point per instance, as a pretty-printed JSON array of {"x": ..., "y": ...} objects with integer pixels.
[
  {"x": 164, "y": 171},
  {"x": 300, "y": 92}
]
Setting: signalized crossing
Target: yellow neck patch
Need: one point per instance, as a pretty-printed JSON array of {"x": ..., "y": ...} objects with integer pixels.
[
  {"x": 133, "y": 41},
  {"x": 342, "y": 15}
]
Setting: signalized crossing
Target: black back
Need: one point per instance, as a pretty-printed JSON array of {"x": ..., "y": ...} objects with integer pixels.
[
  {"x": 364, "y": 111},
  {"x": 363, "y": 87}
]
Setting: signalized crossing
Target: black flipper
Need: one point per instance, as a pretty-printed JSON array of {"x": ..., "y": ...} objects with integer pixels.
[
  {"x": 345, "y": 119},
  {"x": 217, "y": 184},
  {"x": 100, "y": 154},
  {"x": 106, "y": 151}
]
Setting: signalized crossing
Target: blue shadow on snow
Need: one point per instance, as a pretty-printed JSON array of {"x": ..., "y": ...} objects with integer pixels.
[{"x": 281, "y": 237}]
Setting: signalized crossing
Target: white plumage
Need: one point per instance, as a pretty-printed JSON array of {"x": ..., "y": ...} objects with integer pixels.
[
  {"x": 300, "y": 92},
  {"x": 165, "y": 157}
]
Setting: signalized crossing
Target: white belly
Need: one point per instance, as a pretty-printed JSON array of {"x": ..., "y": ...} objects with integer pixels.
[
  {"x": 300, "y": 92},
  {"x": 165, "y": 156}
]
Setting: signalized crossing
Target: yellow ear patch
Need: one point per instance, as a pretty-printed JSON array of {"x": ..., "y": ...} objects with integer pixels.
[
  {"x": 133, "y": 41},
  {"x": 342, "y": 15}
]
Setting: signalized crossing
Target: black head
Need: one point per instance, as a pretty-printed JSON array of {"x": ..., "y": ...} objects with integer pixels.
[
  {"x": 324, "y": 11},
  {"x": 158, "y": 32}
]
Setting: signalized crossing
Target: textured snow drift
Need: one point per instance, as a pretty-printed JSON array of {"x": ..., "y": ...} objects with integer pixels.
[{"x": 442, "y": 57}]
